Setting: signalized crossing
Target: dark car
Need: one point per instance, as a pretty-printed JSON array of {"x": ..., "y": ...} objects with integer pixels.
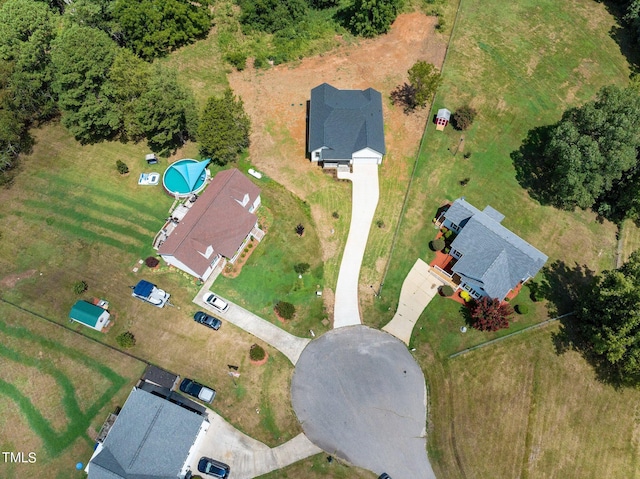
[
  {"x": 203, "y": 318},
  {"x": 384, "y": 475},
  {"x": 197, "y": 390},
  {"x": 213, "y": 468}
]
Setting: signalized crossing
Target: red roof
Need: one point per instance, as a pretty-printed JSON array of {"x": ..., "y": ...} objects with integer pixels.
[{"x": 217, "y": 219}]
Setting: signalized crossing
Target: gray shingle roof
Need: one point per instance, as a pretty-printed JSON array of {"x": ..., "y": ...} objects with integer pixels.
[
  {"x": 493, "y": 257},
  {"x": 345, "y": 121},
  {"x": 150, "y": 439},
  {"x": 444, "y": 113}
]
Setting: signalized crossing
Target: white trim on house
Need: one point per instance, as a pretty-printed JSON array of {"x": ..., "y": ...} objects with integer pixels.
[
  {"x": 173, "y": 261},
  {"x": 367, "y": 156},
  {"x": 195, "y": 448}
]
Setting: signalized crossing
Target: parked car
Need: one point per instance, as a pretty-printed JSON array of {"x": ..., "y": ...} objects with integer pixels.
[
  {"x": 213, "y": 468},
  {"x": 203, "y": 318},
  {"x": 384, "y": 475},
  {"x": 197, "y": 390},
  {"x": 216, "y": 302},
  {"x": 150, "y": 293}
]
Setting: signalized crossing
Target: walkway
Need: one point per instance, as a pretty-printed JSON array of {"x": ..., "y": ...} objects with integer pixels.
[
  {"x": 288, "y": 344},
  {"x": 247, "y": 457},
  {"x": 418, "y": 289},
  {"x": 365, "y": 194}
]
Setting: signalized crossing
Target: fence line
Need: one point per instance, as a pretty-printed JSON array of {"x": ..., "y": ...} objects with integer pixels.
[
  {"x": 415, "y": 164},
  {"x": 493, "y": 341}
]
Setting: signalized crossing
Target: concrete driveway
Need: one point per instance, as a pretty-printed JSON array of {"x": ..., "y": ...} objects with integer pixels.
[
  {"x": 247, "y": 457},
  {"x": 360, "y": 395},
  {"x": 365, "y": 194},
  {"x": 418, "y": 289},
  {"x": 288, "y": 344}
]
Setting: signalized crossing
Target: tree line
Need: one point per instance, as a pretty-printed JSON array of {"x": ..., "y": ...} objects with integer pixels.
[{"x": 86, "y": 62}]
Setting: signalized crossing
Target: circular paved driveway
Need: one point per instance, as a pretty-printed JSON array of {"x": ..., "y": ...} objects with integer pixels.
[{"x": 360, "y": 395}]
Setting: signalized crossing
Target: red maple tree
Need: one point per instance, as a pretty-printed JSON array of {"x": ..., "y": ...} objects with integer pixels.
[{"x": 490, "y": 314}]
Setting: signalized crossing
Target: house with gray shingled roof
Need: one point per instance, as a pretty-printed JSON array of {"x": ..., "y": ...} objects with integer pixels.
[
  {"x": 345, "y": 127},
  {"x": 487, "y": 259},
  {"x": 152, "y": 438}
]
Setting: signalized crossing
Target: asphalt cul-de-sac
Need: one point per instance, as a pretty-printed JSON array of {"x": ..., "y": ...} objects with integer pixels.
[{"x": 360, "y": 395}]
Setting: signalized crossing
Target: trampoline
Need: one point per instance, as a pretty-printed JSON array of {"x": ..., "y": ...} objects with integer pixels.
[{"x": 185, "y": 177}]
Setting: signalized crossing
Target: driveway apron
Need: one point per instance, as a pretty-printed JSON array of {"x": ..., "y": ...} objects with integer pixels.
[{"x": 418, "y": 289}]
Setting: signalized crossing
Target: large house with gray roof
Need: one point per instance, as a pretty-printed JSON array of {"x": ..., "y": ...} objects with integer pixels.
[
  {"x": 152, "y": 438},
  {"x": 486, "y": 258},
  {"x": 345, "y": 127}
]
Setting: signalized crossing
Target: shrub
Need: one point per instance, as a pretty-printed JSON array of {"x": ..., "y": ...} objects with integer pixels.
[
  {"x": 463, "y": 117},
  {"x": 285, "y": 310},
  {"x": 446, "y": 290},
  {"x": 380, "y": 224},
  {"x": 490, "y": 314},
  {"x": 465, "y": 181},
  {"x": 259, "y": 62},
  {"x": 437, "y": 244},
  {"x": 80, "y": 287},
  {"x": 257, "y": 352},
  {"x": 237, "y": 59},
  {"x": 335, "y": 214},
  {"x": 299, "y": 229},
  {"x": 126, "y": 339},
  {"x": 467, "y": 155},
  {"x": 152, "y": 262},
  {"x": 122, "y": 167},
  {"x": 301, "y": 268},
  {"x": 466, "y": 296},
  {"x": 522, "y": 309}
]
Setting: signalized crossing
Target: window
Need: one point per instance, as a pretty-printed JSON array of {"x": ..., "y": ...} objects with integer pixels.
[{"x": 317, "y": 154}]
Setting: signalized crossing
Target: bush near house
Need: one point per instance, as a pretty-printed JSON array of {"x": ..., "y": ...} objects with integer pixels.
[
  {"x": 285, "y": 310},
  {"x": 437, "y": 244},
  {"x": 446, "y": 290},
  {"x": 522, "y": 308},
  {"x": 490, "y": 314}
]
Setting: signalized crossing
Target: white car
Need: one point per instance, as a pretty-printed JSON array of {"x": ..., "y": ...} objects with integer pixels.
[
  {"x": 149, "y": 179},
  {"x": 216, "y": 302}
]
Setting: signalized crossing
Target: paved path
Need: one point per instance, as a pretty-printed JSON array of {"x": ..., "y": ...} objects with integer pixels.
[
  {"x": 365, "y": 194},
  {"x": 288, "y": 344},
  {"x": 361, "y": 396},
  {"x": 247, "y": 457},
  {"x": 418, "y": 289}
]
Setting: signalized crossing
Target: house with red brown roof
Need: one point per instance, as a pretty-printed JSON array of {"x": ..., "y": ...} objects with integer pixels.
[{"x": 214, "y": 228}]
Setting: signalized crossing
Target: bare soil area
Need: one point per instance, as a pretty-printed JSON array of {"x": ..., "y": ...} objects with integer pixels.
[{"x": 276, "y": 99}]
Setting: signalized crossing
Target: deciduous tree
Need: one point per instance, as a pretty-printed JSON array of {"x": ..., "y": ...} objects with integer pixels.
[
  {"x": 224, "y": 128},
  {"x": 369, "y": 18},
  {"x": 424, "y": 79},
  {"x": 490, "y": 314},
  {"x": 166, "y": 113},
  {"x": 152, "y": 28},
  {"x": 609, "y": 316}
]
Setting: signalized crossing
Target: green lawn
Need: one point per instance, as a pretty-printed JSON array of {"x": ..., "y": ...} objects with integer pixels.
[
  {"x": 268, "y": 275},
  {"x": 520, "y": 65},
  {"x": 56, "y": 389},
  {"x": 318, "y": 466}
]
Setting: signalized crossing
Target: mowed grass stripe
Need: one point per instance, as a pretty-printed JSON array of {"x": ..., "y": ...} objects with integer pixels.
[
  {"x": 104, "y": 201},
  {"x": 78, "y": 421},
  {"x": 113, "y": 224},
  {"x": 79, "y": 230}
]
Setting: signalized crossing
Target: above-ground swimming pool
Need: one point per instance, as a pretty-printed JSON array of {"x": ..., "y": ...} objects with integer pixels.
[{"x": 185, "y": 177}]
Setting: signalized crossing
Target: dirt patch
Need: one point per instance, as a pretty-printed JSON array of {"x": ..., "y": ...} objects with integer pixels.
[
  {"x": 11, "y": 280},
  {"x": 276, "y": 99}
]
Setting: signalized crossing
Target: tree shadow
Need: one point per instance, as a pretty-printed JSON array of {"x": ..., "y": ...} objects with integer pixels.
[
  {"x": 623, "y": 34},
  {"x": 533, "y": 169},
  {"x": 564, "y": 286}
]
